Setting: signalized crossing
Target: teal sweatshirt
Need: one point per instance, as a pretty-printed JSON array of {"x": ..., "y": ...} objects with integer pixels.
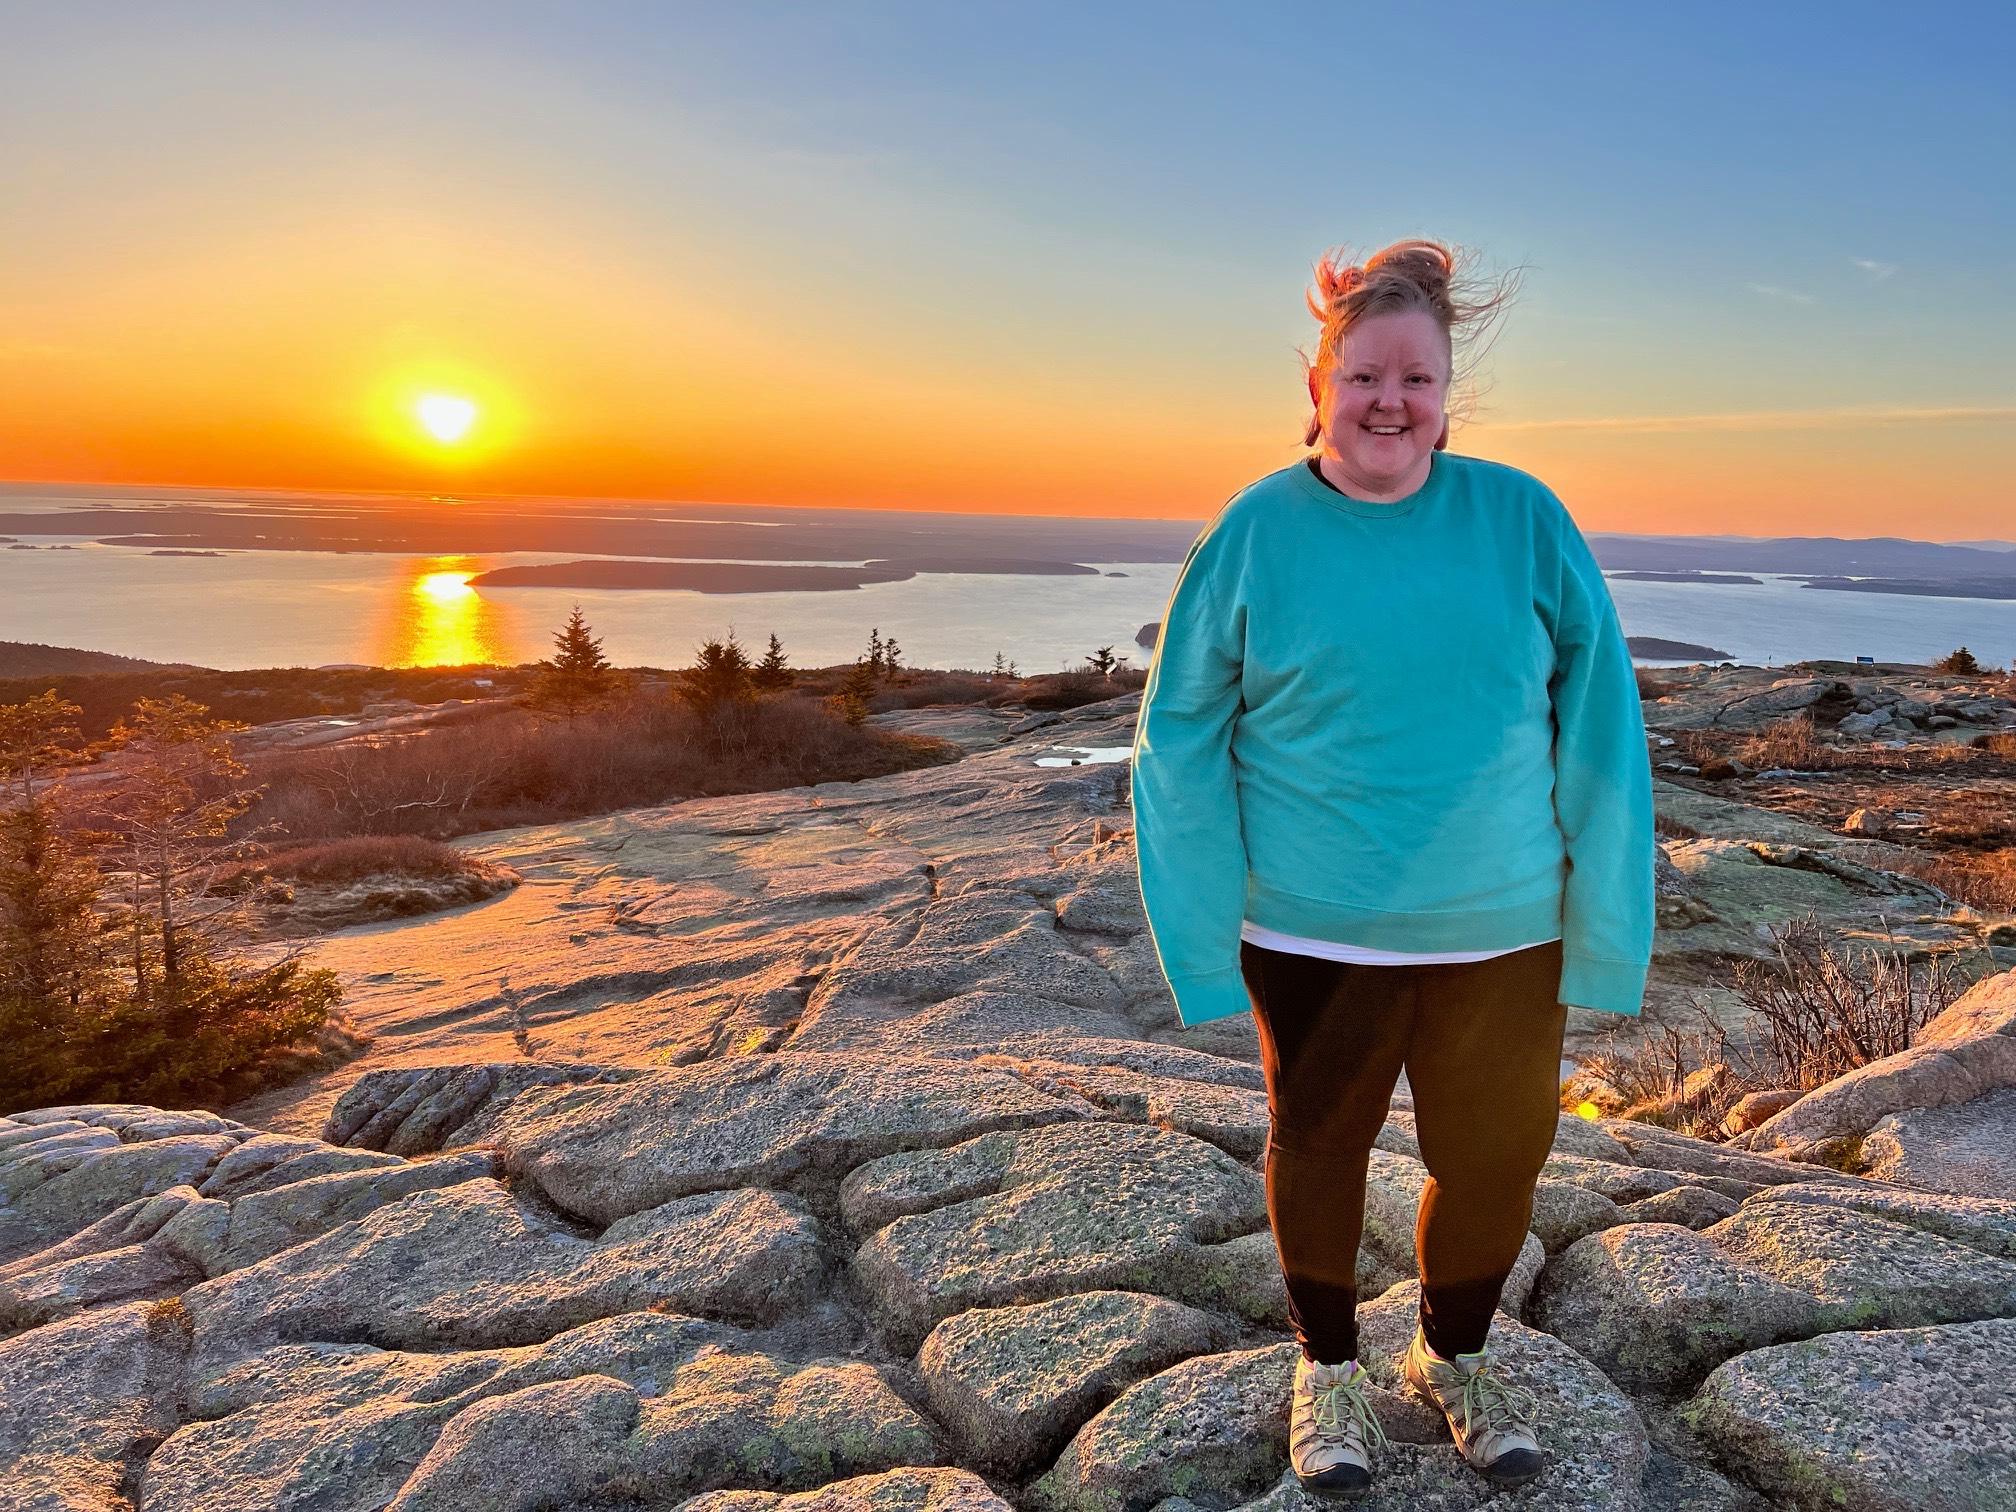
[{"x": 1411, "y": 725}]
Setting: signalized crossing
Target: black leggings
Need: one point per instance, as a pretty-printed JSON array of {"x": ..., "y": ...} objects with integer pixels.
[{"x": 1481, "y": 1045}]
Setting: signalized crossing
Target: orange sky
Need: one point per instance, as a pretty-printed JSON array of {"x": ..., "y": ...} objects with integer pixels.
[{"x": 861, "y": 297}]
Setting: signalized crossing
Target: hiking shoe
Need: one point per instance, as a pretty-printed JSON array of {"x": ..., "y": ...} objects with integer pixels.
[
  {"x": 1330, "y": 1426},
  {"x": 1490, "y": 1418}
]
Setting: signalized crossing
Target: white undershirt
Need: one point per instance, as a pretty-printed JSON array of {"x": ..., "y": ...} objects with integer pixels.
[{"x": 1332, "y": 950}]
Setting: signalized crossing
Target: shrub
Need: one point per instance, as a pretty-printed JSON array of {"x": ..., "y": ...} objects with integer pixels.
[
  {"x": 352, "y": 859},
  {"x": 1814, "y": 1014},
  {"x": 127, "y": 984}
]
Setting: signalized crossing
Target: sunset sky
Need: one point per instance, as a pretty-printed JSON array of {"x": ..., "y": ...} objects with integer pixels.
[{"x": 1018, "y": 257}]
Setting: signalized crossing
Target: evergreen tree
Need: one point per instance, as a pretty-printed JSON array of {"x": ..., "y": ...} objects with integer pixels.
[
  {"x": 1000, "y": 667},
  {"x": 719, "y": 679},
  {"x": 577, "y": 679},
  {"x": 193, "y": 1020},
  {"x": 852, "y": 699},
  {"x": 53, "y": 977},
  {"x": 875, "y": 650},
  {"x": 1102, "y": 661},
  {"x": 771, "y": 671},
  {"x": 891, "y": 667},
  {"x": 1960, "y": 663}
]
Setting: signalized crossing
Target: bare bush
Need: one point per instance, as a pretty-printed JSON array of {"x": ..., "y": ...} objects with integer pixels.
[
  {"x": 1814, "y": 1013},
  {"x": 1825, "y": 1011}
]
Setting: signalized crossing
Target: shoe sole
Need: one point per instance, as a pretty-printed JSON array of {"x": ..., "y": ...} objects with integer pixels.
[
  {"x": 1316, "y": 1487},
  {"x": 1506, "y": 1478}
]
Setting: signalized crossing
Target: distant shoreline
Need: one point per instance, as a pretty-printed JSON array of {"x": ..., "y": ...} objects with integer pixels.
[{"x": 755, "y": 577}]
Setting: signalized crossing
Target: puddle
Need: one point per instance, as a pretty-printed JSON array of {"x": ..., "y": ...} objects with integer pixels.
[{"x": 1092, "y": 757}]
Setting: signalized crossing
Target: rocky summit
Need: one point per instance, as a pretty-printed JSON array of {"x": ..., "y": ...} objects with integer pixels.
[{"x": 838, "y": 1149}]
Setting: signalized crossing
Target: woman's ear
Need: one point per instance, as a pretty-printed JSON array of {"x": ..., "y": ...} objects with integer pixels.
[{"x": 1442, "y": 441}]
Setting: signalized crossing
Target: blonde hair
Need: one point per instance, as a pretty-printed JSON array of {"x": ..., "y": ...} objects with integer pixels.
[{"x": 1408, "y": 275}]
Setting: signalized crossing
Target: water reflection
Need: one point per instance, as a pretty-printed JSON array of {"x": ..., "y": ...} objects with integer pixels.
[{"x": 435, "y": 619}]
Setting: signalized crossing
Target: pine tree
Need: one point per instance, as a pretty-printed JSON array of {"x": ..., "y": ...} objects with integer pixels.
[
  {"x": 1000, "y": 667},
  {"x": 771, "y": 671},
  {"x": 718, "y": 679},
  {"x": 892, "y": 669},
  {"x": 1102, "y": 661},
  {"x": 194, "y": 1020},
  {"x": 577, "y": 679},
  {"x": 852, "y": 699},
  {"x": 875, "y": 650}
]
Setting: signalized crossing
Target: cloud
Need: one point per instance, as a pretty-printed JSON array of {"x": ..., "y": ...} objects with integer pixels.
[
  {"x": 1772, "y": 291},
  {"x": 1878, "y": 271},
  {"x": 1769, "y": 420}
]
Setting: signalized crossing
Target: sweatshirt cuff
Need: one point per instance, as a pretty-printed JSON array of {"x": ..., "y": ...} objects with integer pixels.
[
  {"x": 1605, "y": 985},
  {"x": 1210, "y": 995}
]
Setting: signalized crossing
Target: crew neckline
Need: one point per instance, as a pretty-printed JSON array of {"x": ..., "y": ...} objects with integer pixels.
[{"x": 1318, "y": 488}]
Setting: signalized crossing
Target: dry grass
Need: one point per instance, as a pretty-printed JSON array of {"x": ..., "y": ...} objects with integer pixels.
[
  {"x": 513, "y": 769},
  {"x": 1983, "y": 880},
  {"x": 1789, "y": 742}
]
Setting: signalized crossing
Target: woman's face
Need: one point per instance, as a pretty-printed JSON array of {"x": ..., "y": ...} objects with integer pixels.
[{"x": 1382, "y": 404}]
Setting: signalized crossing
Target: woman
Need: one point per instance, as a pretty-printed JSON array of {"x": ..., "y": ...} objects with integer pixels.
[{"x": 1392, "y": 795}]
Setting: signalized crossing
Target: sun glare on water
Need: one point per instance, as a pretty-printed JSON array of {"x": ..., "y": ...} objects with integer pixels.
[{"x": 446, "y": 417}]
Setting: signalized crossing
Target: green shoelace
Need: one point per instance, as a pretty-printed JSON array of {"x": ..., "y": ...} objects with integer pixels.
[
  {"x": 1497, "y": 1401},
  {"x": 1330, "y": 1416}
]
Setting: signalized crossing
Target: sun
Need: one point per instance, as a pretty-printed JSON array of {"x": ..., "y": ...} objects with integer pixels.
[{"x": 445, "y": 417}]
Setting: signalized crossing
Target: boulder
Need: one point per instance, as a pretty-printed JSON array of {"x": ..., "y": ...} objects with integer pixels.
[
  {"x": 603, "y": 1152},
  {"x": 1658, "y": 1305},
  {"x": 102, "y": 1180},
  {"x": 1040, "y": 1213},
  {"x": 1904, "y": 1420},
  {"x": 891, "y": 1491},
  {"x": 468, "y": 1265},
  {"x": 86, "y": 1399},
  {"x": 661, "y": 1404},
  {"x": 1968, "y": 1149},
  {"x": 1012, "y": 1383},
  {"x": 1694, "y": 1206}
]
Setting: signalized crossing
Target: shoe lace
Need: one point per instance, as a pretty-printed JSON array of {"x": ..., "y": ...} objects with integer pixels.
[
  {"x": 1335, "y": 1406},
  {"x": 1499, "y": 1403}
]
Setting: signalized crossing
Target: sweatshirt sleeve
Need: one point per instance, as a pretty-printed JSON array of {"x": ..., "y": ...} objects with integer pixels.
[
  {"x": 1187, "y": 840},
  {"x": 1602, "y": 793}
]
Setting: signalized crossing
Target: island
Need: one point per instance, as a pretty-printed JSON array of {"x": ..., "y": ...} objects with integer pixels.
[{"x": 756, "y": 577}]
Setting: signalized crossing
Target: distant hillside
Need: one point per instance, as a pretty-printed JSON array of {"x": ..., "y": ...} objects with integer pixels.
[{"x": 28, "y": 659}]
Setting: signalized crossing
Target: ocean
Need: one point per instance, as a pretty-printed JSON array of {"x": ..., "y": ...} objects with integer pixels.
[{"x": 260, "y": 608}]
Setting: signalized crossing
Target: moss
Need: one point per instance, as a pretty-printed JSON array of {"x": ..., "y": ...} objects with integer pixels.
[
  {"x": 169, "y": 1313},
  {"x": 1842, "y": 1154}
]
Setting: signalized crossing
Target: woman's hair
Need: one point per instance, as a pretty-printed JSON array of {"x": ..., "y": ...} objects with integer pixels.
[{"x": 1409, "y": 275}]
